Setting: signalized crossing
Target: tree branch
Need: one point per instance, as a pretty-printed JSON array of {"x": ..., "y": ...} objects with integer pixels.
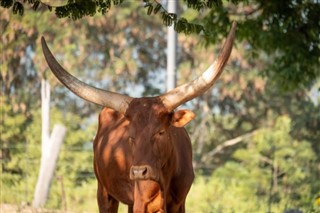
[{"x": 226, "y": 144}]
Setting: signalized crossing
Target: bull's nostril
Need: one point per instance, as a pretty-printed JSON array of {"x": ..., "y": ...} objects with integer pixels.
[
  {"x": 144, "y": 171},
  {"x": 141, "y": 172}
]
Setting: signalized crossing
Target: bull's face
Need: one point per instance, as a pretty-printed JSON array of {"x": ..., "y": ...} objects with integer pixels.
[{"x": 150, "y": 136}]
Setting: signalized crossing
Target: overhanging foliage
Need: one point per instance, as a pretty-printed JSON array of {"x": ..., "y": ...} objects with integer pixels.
[{"x": 287, "y": 31}]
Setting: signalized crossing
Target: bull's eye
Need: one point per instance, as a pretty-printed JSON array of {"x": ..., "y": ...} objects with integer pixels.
[{"x": 161, "y": 132}]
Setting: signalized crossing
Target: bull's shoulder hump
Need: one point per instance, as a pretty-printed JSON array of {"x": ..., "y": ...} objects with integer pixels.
[{"x": 108, "y": 115}]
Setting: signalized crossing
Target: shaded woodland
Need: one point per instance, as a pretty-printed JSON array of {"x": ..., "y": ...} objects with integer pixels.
[{"x": 256, "y": 136}]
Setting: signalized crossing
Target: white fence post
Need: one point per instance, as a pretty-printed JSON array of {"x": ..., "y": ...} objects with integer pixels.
[{"x": 50, "y": 148}]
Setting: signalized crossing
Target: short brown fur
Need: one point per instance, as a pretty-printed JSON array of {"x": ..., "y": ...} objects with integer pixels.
[{"x": 142, "y": 137}]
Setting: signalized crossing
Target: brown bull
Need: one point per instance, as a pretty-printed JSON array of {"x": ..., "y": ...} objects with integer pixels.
[{"x": 142, "y": 153}]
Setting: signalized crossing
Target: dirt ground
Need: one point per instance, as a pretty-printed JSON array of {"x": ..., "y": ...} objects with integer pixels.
[{"x": 8, "y": 208}]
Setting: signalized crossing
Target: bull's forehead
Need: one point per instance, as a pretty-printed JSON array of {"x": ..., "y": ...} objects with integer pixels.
[{"x": 147, "y": 111}]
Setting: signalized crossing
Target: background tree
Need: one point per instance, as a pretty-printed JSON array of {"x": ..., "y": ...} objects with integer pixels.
[
  {"x": 286, "y": 31},
  {"x": 273, "y": 172},
  {"x": 124, "y": 51}
]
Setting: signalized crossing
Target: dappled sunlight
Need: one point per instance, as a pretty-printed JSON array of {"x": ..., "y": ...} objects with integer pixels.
[{"x": 254, "y": 134}]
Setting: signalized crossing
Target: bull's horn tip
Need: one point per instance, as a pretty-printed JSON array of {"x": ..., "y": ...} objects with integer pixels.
[{"x": 43, "y": 40}]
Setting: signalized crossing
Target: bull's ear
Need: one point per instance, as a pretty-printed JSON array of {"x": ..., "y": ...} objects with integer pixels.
[{"x": 181, "y": 118}]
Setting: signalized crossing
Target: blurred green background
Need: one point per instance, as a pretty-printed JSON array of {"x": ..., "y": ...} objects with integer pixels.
[{"x": 256, "y": 136}]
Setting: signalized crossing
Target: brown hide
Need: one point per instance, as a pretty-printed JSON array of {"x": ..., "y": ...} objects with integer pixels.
[{"x": 143, "y": 137}]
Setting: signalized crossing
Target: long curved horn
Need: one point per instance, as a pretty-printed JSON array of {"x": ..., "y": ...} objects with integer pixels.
[
  {"x": 101, "y": 97},
  {"x": 198, "y": 86}
]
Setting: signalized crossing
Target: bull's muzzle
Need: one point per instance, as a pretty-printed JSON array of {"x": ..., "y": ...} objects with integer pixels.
[{"x": 143, "y": 172}]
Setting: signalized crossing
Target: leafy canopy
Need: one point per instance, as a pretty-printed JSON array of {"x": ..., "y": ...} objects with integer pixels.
[{"x": 286, "y": 31}]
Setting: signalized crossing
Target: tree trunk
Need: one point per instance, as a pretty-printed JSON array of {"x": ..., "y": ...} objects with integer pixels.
[{"x": 50, "y": 147}]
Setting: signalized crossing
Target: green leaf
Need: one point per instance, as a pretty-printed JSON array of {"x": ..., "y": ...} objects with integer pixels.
[
  {"x": 157, "y": 8},
  {"x": 6, "y": 3},
  {"x": 36, "y": 5},
  {"x": 18, "y": 8},
  {"x": 150, "y": 9}
]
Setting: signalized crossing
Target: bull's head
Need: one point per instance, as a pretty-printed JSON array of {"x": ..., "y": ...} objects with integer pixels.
[
  {"x": 149, "y": 119},
  {"x": 151, "y": 137}
]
